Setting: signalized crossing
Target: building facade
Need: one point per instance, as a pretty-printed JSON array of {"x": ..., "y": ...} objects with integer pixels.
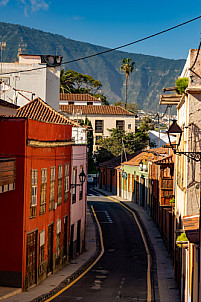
[{"x": 35, "y": 216}]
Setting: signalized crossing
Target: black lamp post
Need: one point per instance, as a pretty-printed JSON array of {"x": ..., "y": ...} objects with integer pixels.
[
  {"x": 82, "y": 178},
  {"x": 175, "y": 129}
]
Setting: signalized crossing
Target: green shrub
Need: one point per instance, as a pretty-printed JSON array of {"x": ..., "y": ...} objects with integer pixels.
[{"x": 182, "y": 84}]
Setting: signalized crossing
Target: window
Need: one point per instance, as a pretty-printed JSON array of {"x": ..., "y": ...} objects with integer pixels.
[
  {"x": 89, "y": 103},
  {"x": 129, "y": 126},
  {"x": 66, "y": 182},
  {"x": 43, "y": 191},
  {"x": 81, "y": 186},
  {"x": 98, "y": 138},
  {"x": 58, "y": 242},
  {"x": 60, "y": 178},
  {"x": 74, "y": 187},
  {"x": 120, "y": 125},
  {"x": 33, "y": 203},
  {"x": 41, "y": 251},
  {"x": 52, "y": 188},
  {"x": 99, "y": 126}
]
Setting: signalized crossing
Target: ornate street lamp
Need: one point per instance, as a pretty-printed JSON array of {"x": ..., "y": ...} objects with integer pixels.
[
  {"x": 82, "y": 178},
  {"x": 175, "y": 129}
]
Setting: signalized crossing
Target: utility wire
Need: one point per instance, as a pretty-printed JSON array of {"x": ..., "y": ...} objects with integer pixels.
[{"x": 111, "y": 49}]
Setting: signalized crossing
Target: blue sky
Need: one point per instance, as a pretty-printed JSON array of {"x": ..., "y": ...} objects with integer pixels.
[{"x": 113, "y": 23}]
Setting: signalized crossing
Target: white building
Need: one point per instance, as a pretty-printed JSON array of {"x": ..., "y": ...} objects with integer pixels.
[{"x": 39, "y": 77}]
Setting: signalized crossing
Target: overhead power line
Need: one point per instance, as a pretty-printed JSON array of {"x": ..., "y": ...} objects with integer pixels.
[{"x": 111, "y": 49}]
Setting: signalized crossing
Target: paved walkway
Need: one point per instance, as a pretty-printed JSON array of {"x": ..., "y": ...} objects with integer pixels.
[
  {"x": 54, "y": 280},
  {"x": 168, "y": 290}
]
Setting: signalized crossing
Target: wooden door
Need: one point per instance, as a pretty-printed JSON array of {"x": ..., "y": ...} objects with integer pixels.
[
  {"x": 120, "y": 184},
  {"x": 50, "y": 248},
  {"x": 110, "y": 180},
  {"x": 137, "y": 188},
  {"x": 72, "y": 242},
  {"x": 143, "y": 192},
  {"x": 31, "y": 259}
]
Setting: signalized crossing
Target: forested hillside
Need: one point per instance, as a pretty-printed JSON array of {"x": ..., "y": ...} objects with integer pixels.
[{"x": 145, "y": 84}]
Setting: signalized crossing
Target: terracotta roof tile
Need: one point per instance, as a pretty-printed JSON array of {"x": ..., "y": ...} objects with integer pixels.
[
  {"x": 147, "y": 156},
  {"x": 96, "y": 110},
  {"x": 77, "y": 97},
  {"x": 40, "y": 111}
]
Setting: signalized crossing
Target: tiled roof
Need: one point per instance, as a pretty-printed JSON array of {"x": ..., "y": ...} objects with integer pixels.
[
  {"x": 146, "y": 156},
  {"x": 8, "y": 104},
  {"x": 191, "y": 227},
  {"x": 96, "y": 110},
  {"x": 40, "y": 111},
  {"x": 116, "y": 161},
  {"x": 77, "y": 97}
]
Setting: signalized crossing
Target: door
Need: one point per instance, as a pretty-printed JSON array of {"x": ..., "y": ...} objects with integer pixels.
[
  {"x": 111, "y": 180},
  {"x": 71, "y": 242},
  {"x": 31, "y": 259},
  {"x": 143, "y": 192},
  {"x": 50, "y": 248},
  {"x": 137, "y": 188},
  {"x": 78, "y": 236},
  {"x": 120, "y": 184}
]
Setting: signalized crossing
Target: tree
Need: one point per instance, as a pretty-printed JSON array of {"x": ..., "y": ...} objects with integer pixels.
[
  {"x": 127, "y": 66},
  {"x": 64, "y": 82},
  {"x": 74, "y": 82},
  {"x": 119, "y": 141}
]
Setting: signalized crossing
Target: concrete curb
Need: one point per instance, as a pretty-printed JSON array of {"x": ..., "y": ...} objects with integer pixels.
[{"x": 75, "y": 275}]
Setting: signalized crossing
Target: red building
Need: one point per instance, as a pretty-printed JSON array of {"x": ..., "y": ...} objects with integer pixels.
[{"x": 34, "y": 216}]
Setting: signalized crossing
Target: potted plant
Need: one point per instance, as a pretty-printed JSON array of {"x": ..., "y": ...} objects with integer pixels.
[{"x": 182, "y": 240}]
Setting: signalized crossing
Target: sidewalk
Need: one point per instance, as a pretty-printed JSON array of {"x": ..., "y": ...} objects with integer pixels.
[
  {"x": 56, "y": 279},
  {"x": 168, "y": 290}
]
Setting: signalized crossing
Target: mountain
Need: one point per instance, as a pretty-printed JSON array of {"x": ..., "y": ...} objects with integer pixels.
[{"x": 145, "y": 84}]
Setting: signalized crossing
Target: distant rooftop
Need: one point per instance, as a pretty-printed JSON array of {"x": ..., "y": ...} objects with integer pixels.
[
  {"x": 78, "y": 97},
  {"x": 96, "y": 110}
]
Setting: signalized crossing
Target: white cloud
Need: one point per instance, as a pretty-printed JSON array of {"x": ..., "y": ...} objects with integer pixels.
[
  {"x": 4, "y": 2},
  {"x": 75, "y": 18},
  {"x": 38, "y": 4},
  {"x": 31, "y": 6}
]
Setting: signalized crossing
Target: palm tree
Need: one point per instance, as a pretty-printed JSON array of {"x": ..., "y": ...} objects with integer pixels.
[
  {"x": 66, "y": 83},
  {"x": 127, "y": 66}
]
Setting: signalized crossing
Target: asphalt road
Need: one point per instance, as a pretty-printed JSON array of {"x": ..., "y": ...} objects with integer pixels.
[{"x": 121, "y": 273}]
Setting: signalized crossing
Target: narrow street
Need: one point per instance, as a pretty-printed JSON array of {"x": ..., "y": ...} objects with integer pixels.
[{"x": 121, "y": 273}]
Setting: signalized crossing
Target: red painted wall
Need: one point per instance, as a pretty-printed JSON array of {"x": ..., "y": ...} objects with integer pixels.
[
  {"x": 12, "y": 138},
  {"x": 15, "y": 205}
]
